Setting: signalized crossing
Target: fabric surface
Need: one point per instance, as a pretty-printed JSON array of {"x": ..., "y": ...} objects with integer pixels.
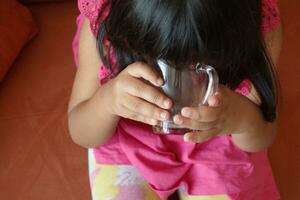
[
  {"x": 124, "y": 182},
  {"x": 285, "y": 152},
  {"x": 38, "y": 160},
  {"x": 167, "y": 162},
  {"x": 16, "y": 29},
  {"x": 35, "y": 142}
]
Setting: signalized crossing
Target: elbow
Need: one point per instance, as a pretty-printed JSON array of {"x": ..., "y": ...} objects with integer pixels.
[
  {"x": 252, "y": 149},
  {"x": 78, "y": 140},
  {"x": 84, "y": 132},
  {"x": 78, "y": 135},
  {"x": 257, "y": 144}
]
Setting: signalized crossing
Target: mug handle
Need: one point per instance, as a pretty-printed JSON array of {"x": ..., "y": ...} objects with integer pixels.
[{"x": 213, "y": 81}]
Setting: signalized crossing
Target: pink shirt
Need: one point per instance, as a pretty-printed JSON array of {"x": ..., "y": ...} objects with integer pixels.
[{"x": 167, "y": 162}]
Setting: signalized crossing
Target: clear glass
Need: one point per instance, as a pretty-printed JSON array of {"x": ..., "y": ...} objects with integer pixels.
[{"x": 186, "y": 87}]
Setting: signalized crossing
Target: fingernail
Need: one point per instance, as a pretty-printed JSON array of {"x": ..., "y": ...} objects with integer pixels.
[
  {"x": 164, "y": 115},
  {"x": 186, "y": 112},
  {"x": 185, "y": 138},
  {"x": 216, "y": 102},
  {"x": 159, "y": 82},
  {"x": 153, "y": 122},
  {"x": 166, "y": 103},
  {"x": 178, "y": 120},
  {"x": 188, "y": 138}
]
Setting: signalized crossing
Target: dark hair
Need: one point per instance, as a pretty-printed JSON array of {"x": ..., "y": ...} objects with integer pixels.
[{"x": 224, "y": 34}]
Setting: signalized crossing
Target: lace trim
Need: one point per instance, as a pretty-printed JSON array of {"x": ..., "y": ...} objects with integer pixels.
[
  {"x": 270, "y": 15},
  {"x": 91, "y": 9}
]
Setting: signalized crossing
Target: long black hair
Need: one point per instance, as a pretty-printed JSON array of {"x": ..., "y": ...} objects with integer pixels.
[{"x": 224, "y": 34}]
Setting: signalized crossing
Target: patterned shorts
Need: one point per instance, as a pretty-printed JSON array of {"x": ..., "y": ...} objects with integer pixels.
[{"x": 124, "y": 182}]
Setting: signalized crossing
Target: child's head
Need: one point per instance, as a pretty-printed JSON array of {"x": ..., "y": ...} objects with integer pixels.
[{"x": 224, "y": 34}]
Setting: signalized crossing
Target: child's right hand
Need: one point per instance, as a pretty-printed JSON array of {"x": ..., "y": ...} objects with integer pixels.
[{"x": 134, "y": 95}]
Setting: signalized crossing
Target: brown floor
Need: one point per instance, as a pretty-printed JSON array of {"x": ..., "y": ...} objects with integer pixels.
[
  {"x": 285, "y": 153},
  {"x": 37, "y": 158}
]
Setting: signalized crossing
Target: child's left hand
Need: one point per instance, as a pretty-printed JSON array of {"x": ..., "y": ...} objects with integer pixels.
[{"x": 221, "y": 116}]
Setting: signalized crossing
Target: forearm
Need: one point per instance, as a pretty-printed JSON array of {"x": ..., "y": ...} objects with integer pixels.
[
  {"x": 253, "y": 133},
  {"x": 90, "y": 122}
]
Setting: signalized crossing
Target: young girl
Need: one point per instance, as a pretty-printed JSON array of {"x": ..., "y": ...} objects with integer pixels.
[{"x": 116, "y": 98}]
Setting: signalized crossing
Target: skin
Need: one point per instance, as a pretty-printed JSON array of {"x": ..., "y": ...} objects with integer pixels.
[
  {"x": 229, "y": 112},
  {"x": 94, "y": 110}
]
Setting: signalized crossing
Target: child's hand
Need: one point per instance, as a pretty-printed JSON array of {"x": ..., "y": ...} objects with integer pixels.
[
  {"x": 219, "y": 117},
  {"x": 133, "y": 95}
]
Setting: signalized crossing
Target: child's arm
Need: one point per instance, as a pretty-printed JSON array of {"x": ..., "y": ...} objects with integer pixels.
[
  {"x": 94, "y": 110},
  {"x": 232, "y": 113},
  {"x": 273, "y": 42},
  {"x": 89, "y": 120},
  {"x": 265, "y": 132}
]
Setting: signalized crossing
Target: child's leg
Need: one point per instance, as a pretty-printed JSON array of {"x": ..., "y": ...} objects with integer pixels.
[
  {"x": 118, "y": 182},
  {"x": 184, "y": 196}
]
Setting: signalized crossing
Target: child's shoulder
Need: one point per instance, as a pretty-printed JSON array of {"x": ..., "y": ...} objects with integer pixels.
[{"x": 91, "y": 10}]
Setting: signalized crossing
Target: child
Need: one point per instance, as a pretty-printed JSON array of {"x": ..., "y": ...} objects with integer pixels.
[{"x": 116, "y": 98}]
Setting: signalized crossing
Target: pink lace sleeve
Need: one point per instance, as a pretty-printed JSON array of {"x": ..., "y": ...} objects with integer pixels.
[
  {"x": 91, "y": 9},
  {"x": 270, "y": 15}
]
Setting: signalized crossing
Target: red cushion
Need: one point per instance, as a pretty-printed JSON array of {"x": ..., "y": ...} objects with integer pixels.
[{"x": 16, "y": 29}]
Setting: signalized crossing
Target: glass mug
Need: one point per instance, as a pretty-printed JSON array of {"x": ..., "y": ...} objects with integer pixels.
[{"x": 188, "y": 87}]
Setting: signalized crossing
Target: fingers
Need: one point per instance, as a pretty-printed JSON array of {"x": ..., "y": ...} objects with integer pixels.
[
  {"x": 215, "y": 100},
  {"x": 138, "y": 117},
  {"x": 201, "y": 113},
  {"x": 142, "y": 70},
  {"x": 201, "y": 136},
  {"x": 193, "y": 124},
  {"x": 204, "y": 113},
  {"x": 145, "y": 91},
  {"x": 136, "y": 98},
  {"x": 146, "y": 109}
]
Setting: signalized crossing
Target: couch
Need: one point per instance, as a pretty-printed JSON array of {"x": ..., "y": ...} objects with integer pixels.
[{"x": 39, "y": 161}]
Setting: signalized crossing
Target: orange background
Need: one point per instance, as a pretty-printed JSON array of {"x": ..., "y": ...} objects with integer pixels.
[
  {"x": 285, "y": 153},
  {"x": 38, "y": 160}
]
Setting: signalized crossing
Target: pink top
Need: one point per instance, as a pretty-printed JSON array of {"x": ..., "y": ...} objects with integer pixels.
[{"x": 167, "y": 162}]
